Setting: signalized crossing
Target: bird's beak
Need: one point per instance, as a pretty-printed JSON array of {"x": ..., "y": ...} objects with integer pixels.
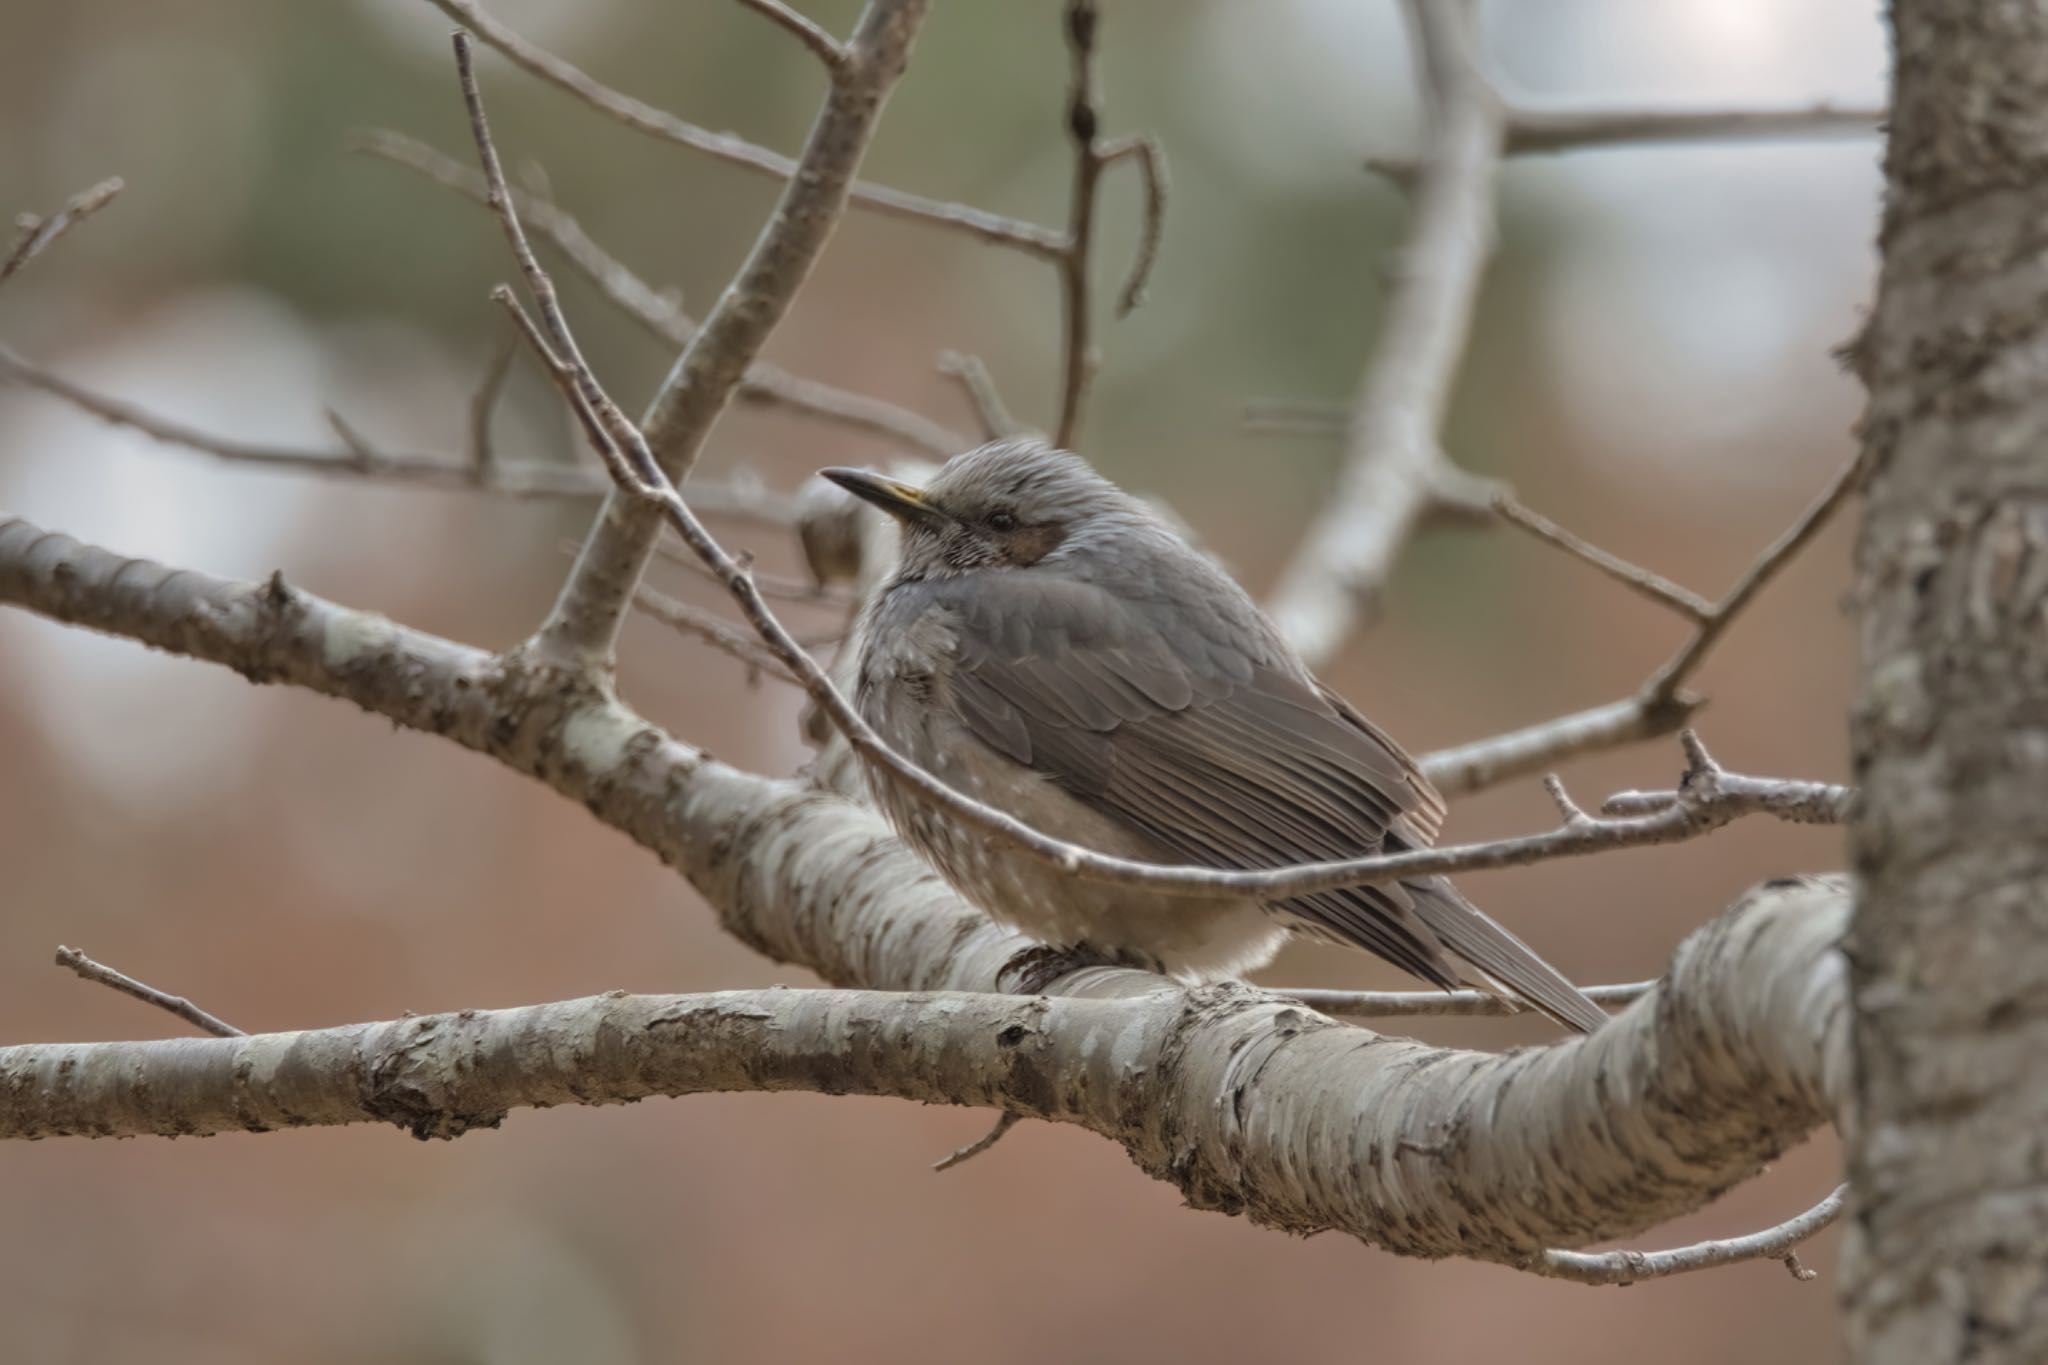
[{"x": 903, "y": 501}]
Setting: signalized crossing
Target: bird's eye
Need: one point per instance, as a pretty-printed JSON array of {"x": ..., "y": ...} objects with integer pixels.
[{"x": 1002, "y": 522}]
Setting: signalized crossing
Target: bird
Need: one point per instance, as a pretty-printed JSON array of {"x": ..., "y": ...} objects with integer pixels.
[{"x": 1050, "y": 646}]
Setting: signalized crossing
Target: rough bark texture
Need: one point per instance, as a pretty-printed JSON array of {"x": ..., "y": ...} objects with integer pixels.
[
  {"x": 1948, "y": 1256},
  {"x": 1248, "y": 1102}
]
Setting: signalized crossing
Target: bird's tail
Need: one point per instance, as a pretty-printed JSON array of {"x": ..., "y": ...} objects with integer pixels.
[{"x": 1465, "y": 929}]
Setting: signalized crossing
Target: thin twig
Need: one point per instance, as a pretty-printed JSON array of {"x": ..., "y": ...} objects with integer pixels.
[
  {"x": 771, "y": 585},
  {"x": 1441, "y": 1004},
  {"x": 1654, "y": 586},
  {"x": 1656, "y": 708},
  {"x": 38, "y": 233},
  {"x": 581, "y": 629},
  {"x": 128, "y": 985},
  {"x": 1665, "y": 682},
  {"x": 1029, "y": 238},
  {"x": 688, "y": 620},
  {"x": 1078, "y": 357},
  {"x": 1003, "y": 1124},
  {"x": 1778, "y": 1243},
  {"x": 1564, "y": 130},
  {"x": 1152, "y": 226},
  {"x": 742, "y": 499},
  {"x": 982, "y": 395},
  {"x": 658, "y": 313},
  {"x": 1704, "y": 806},
  {"x": 822, "y": 44},
  {"x": 483, "y": 456}
]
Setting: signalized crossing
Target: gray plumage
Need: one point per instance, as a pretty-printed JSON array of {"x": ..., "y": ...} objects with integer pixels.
[{"x": 1049, "y": 646}]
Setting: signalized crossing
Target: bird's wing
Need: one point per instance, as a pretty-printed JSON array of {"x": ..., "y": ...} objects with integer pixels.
[{"x": 1200, "y": 733}]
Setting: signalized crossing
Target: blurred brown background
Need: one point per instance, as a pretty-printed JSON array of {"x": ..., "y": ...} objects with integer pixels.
[{"x": 1650, "y": 366}]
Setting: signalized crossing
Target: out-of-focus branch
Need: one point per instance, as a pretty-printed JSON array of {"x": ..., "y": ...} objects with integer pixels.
[
  {"x": 764, "y": 385},
  {"x": 742, "y": 498},
  {"x": 1440, "y": 1004},
  {"x": 822, "y": 44},
  {"x": 983, "y": 396},
  {"x": 148, "y": 994},
  {"x": 581, "y": 629},
  {"x": 38, "y": 233},
  {"x": 1780, "y": 1243},
  {"x": 1661, "y": 704},
  {"x": 1029, "y": 238},
  {"x": 1654, "y": 586},
  {"x": 1534, "y": 130},
  {"x": 1391, "y": 445},
  {"x": 1078, "y": 358},
  {"x": 685, "y": 619}
]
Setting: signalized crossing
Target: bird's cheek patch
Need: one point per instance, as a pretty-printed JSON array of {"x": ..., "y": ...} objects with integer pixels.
[{"x": 1029, "y": 544}]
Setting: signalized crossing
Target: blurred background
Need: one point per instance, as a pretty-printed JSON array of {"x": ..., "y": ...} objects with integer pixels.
[{"x": 1649, "y": 366}]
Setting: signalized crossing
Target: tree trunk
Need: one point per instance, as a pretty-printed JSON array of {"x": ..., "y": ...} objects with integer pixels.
[{"x": 1948, "y": 1256}]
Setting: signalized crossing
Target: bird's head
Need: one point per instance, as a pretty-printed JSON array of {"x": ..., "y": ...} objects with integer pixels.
[{"x": 1005, "y": 505}]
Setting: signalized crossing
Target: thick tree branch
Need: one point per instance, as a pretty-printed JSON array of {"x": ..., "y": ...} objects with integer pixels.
[
  {"x": 1243, "y": 1100},
  {"x": 1651, "y": 1116},
  {"x": 584, "y": 624}
]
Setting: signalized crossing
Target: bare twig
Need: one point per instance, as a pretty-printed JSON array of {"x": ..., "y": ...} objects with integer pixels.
[
  {"x": 1078, "y": 358},
  {"x": 1152, "y": 227},
  {"x": 1802, "y": 803},
  {"x": 822, "y": 44},
  {"x": 1654, "y": 586},
  {"x": 689, "y": 620},
  {"x": 1659, "y": 706},
  {"x": 38, "y": 233},
  {"x": 627, "y": 453},
  {"x": 1029, "y": 238},
  {"x": 1441, "y": 1004},
  {"x": 1778, "y": 1243},
  {"x": 581, "y": 629},
  {"x": 1391, "y": 442},
  {"x": 741, "y": 498},
  {"x": 1003, "y": 1124},
  {"x": 483, "y": 457},
  {"x": 771, "y": 585},
  {"x": 764, "y": 385},
  {"x": 982, "y": 395},
  {"x": 1663, "y": 685},
  {"x": 128, "y": 985},
  {"x": 1564, "y": 130},
  {"x": 363, "y": 461}
]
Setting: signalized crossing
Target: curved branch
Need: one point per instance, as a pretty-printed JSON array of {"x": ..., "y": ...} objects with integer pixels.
[
  {"x": 1243, "y": 1100},
  {"x": 1778, "y": 1243},
  {"x": 1318, "y": 1125}
]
